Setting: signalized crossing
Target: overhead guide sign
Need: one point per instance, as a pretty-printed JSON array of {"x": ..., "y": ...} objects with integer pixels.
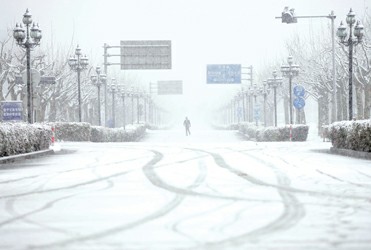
[
  {"x": 170, "y": 87},
  {"x": 146, "y": 54},
  {"x": 224, "y": 73}
]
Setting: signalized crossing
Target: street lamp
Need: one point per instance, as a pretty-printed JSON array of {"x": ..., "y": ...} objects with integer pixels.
[
  {"x": 28, "y": 38},
  {"x": 113, "y": 88},
  {"x": 288, "y": 16},
  {"x": 255, "y": 91},
  {"x": 274, "y": 83},
  {"x": 138, "y": 111},
  {"x": 98, "y": 80},
  {"x": 290, "y": 71},
  {"x": 78, "y": 63},
  {"x": 342, "y": 34},
  {"x": 236, "y": 110},
  {"x": 132, "y": 94},
  {"x": 145, "y": 97},
  {"x": 123, "y": 94},
  {"x": 241, "y": 96},
  {"x": 265, "y": 91}
]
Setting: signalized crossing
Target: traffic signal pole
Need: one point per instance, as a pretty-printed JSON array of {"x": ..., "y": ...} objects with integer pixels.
[{"x": 289, "y": 17}]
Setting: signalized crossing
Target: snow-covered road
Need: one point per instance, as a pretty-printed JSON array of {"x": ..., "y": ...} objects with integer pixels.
[{"x": 211, "y": 190}]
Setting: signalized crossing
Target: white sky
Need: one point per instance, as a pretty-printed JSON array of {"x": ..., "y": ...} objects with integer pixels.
[{"x": 202, "y": 32}]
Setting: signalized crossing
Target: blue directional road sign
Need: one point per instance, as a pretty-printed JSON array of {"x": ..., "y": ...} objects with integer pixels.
[
  {"x": 239, "y": 112},
  {"x": 257, "y": 112},
  {"x": 299, "y": 102},
  {"x": 12, "y": 110},
  {"x": 223, "y": 73},
  {"x": 299, "y": 90}
]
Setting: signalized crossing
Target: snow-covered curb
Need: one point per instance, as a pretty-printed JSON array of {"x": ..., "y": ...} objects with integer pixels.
[{"x": 13, "y": 158}]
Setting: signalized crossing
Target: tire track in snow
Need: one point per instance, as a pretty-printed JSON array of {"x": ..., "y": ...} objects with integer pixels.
[
  {"x": 184, "y": 191},
  {"x": 92, "y": 181},
  {"x": 149, "y": 172},
  {"x": 299, "y": 190},
  {"x": 91, "y": 165},
  {"x": 367, "y": 186},
  {"x": 292, "y": 214},
  {"x": 16, "y": 216}
]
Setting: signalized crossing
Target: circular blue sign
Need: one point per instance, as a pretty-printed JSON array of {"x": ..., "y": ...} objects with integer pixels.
[
  {"x": 299, "y": 102},
  {"x": 299, "y": 91}
]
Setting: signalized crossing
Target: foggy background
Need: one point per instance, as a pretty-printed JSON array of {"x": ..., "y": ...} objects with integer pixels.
[{"x": 202, "y": 32}]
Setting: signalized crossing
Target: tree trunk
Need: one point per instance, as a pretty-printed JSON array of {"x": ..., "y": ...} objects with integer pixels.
[
  {"x": 367, "y": 96},
  {"x": 52, "y": 111},
  {"x": 300, "y": 116},
  {"x": 286, "y": 109},
  {"x": 359, "y": 102},
  {"x": 42, "y": 112},
  {"x": 323, "y": 111}
]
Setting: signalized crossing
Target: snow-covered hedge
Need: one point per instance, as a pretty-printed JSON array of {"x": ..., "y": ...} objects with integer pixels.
[
  {"x": 248, "y": 129},
  {"x": 19, "y": 138},
  {"x": 299, "y": 132},
  {"x": 131, "y": 133},
  {"x": 354, "y": 135},
  {"x": 72, "y": 131},
  {"x": 82, "y": 131}
]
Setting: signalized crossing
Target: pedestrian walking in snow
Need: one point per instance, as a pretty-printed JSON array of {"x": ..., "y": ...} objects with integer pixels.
[{"x": 187, "y": 125}]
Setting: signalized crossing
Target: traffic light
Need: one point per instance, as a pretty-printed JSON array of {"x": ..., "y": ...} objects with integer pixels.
[{"x": 288, "y": 16}]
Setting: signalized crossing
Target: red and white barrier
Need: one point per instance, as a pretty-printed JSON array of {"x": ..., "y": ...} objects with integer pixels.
[{"x": 53, "y": 136}]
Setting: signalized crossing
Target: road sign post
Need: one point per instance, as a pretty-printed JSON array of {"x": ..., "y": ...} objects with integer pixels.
[
  {"x": 299, "y": 101},
  {"x": 299, "y": 92}
]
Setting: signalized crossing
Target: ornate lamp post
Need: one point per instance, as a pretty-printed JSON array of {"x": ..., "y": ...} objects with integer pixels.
[
  {"x": 138, "y": 95},
  {"x": 274, "y": 83},
  {"x": 132, "y": 94},
  {"x": 265, "y": 91},
  {"x": 122, "y": 92},
  {"x": 113, "y": 88},
  {"x": 145, "y": 98},
  {"x": 290, "y": 71},
  {"x": 28, "y": 38},
  {"x": 241, "y": 96},
  {"x": 236, "y": 109},
  {"x": 358, "y": 32},
  {"x": 255, "y": 91},
  {"x": 78, "y": 63},
  {"x": 98, "y": 80}
]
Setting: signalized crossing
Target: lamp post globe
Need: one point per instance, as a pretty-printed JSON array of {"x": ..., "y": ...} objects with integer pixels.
[
  {"x": 78, "y": 63},
  {"x": 290, "y": 71},
  {"x": 98, "y": 80},
  {"x": 28, "y": 38},
  {"x": 274, "y": 83},
  {"x": 355, "y": 37}
]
